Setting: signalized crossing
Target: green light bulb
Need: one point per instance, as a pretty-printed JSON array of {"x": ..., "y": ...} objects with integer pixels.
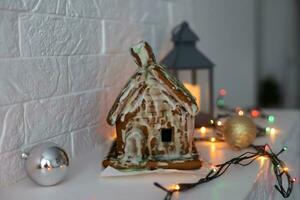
[
  {"x": 271, "y": 118},
  {"x": 220, "y": 102}
]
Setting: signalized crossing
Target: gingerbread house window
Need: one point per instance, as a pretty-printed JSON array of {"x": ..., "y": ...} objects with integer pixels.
[{"x": 166, "y": 135}]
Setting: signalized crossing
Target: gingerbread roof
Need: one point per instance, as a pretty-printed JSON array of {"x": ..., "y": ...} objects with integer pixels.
[{"x": 149, "y": 69}]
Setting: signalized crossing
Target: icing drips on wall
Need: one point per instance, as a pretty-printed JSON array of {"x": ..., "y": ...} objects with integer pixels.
[
  {"x": 153, "y": 100},
  {"x": 156, "y": 108}
]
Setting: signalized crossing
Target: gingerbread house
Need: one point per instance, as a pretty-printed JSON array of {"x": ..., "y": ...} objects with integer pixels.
[{"x": 154, "y": 118}]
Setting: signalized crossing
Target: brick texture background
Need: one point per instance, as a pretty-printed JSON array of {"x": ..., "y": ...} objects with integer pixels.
[{"x": 62, "y": 63}]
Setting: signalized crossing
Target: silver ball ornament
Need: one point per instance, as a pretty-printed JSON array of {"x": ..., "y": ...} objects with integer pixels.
[{"x": 46, "y": 164}]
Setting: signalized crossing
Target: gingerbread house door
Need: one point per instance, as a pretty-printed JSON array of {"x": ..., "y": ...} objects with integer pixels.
[{"x": 134, "y": 140}]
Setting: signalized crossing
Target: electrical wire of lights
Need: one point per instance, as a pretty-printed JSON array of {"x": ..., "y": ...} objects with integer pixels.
[{"x": 280, "y": 171}]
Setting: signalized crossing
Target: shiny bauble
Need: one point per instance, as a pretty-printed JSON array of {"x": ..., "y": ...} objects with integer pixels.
[
  {"x": 46, "y": 164},
  {"x": 239, "y": 131}
]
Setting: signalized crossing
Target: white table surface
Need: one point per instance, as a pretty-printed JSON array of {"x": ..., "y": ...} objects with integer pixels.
[{"x": 84, "y": 182}]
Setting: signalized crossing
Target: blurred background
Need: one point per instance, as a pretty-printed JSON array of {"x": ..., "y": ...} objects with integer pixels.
[
  {"x": 255, "y": 46},
  {"x": 278, "y": 52}
]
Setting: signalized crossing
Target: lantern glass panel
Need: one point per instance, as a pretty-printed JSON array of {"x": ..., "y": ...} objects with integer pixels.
[
  {"x": 203, "y": 79},
  {"x": 198, "y": 83},
  {"x": 185, "y": 76}
]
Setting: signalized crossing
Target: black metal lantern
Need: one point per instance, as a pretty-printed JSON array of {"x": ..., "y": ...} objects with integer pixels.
[{"x": 192, "y": 68}]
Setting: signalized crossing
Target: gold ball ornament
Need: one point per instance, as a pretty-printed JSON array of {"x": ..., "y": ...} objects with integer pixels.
[{"x": 239, "y": 131}]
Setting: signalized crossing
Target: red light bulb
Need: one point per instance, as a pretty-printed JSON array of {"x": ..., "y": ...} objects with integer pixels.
[
  {"x": 222, "y": 92},
  {"x": 255, "y": 113}
]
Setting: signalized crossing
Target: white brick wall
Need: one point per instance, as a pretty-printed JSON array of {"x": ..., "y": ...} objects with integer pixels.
[{"x": 62, "y": 63}]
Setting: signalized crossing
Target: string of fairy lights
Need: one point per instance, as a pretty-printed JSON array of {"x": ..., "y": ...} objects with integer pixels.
[
  {"x": 253, "y": 112},
  {"x": 280, "y": 169},
  {"x": 216, "y": 124}
]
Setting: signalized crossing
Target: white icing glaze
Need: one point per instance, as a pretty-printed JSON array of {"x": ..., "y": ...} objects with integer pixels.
[
  {"x": 178, "y": 161},
  {"x": 162, "y": 164},
  {"x": 191, "y": 108},
  {"x": 133, "y": 85},
  {"x": 157, "y": 97},
  {"x": 148, "y": 104},
  {"x": 143, "y": 54},
  {"x": 133, "y": 147},
  {"x": 137, "y": 82}
]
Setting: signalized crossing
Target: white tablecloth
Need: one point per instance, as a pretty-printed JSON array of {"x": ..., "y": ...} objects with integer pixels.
[{"x": 252, "y": 182}]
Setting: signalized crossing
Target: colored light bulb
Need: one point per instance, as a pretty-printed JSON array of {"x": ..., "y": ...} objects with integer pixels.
[
  {"x": 240, "y": 113},
  {"x": 271, "y": 118},
  {"x": 220, "y": 102},
  {"x": 272, "y": 131},
  {"x": 212, "y": 139},
  {"x": 255, "y": 113},
  {"x": 222, "y": 92},
  {"x": 203, "y": 129},
  {"x": 285, "y": 148},
  {"x": 175, "y": 187}
]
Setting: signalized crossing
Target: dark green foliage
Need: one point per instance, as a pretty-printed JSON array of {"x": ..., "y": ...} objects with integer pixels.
[{"x": 269, "y": 93}]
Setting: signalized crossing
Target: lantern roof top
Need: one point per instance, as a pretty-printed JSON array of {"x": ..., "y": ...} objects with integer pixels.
[
  {"x": 185, "y": 55},
  {"x": 183, "y": 33}
]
